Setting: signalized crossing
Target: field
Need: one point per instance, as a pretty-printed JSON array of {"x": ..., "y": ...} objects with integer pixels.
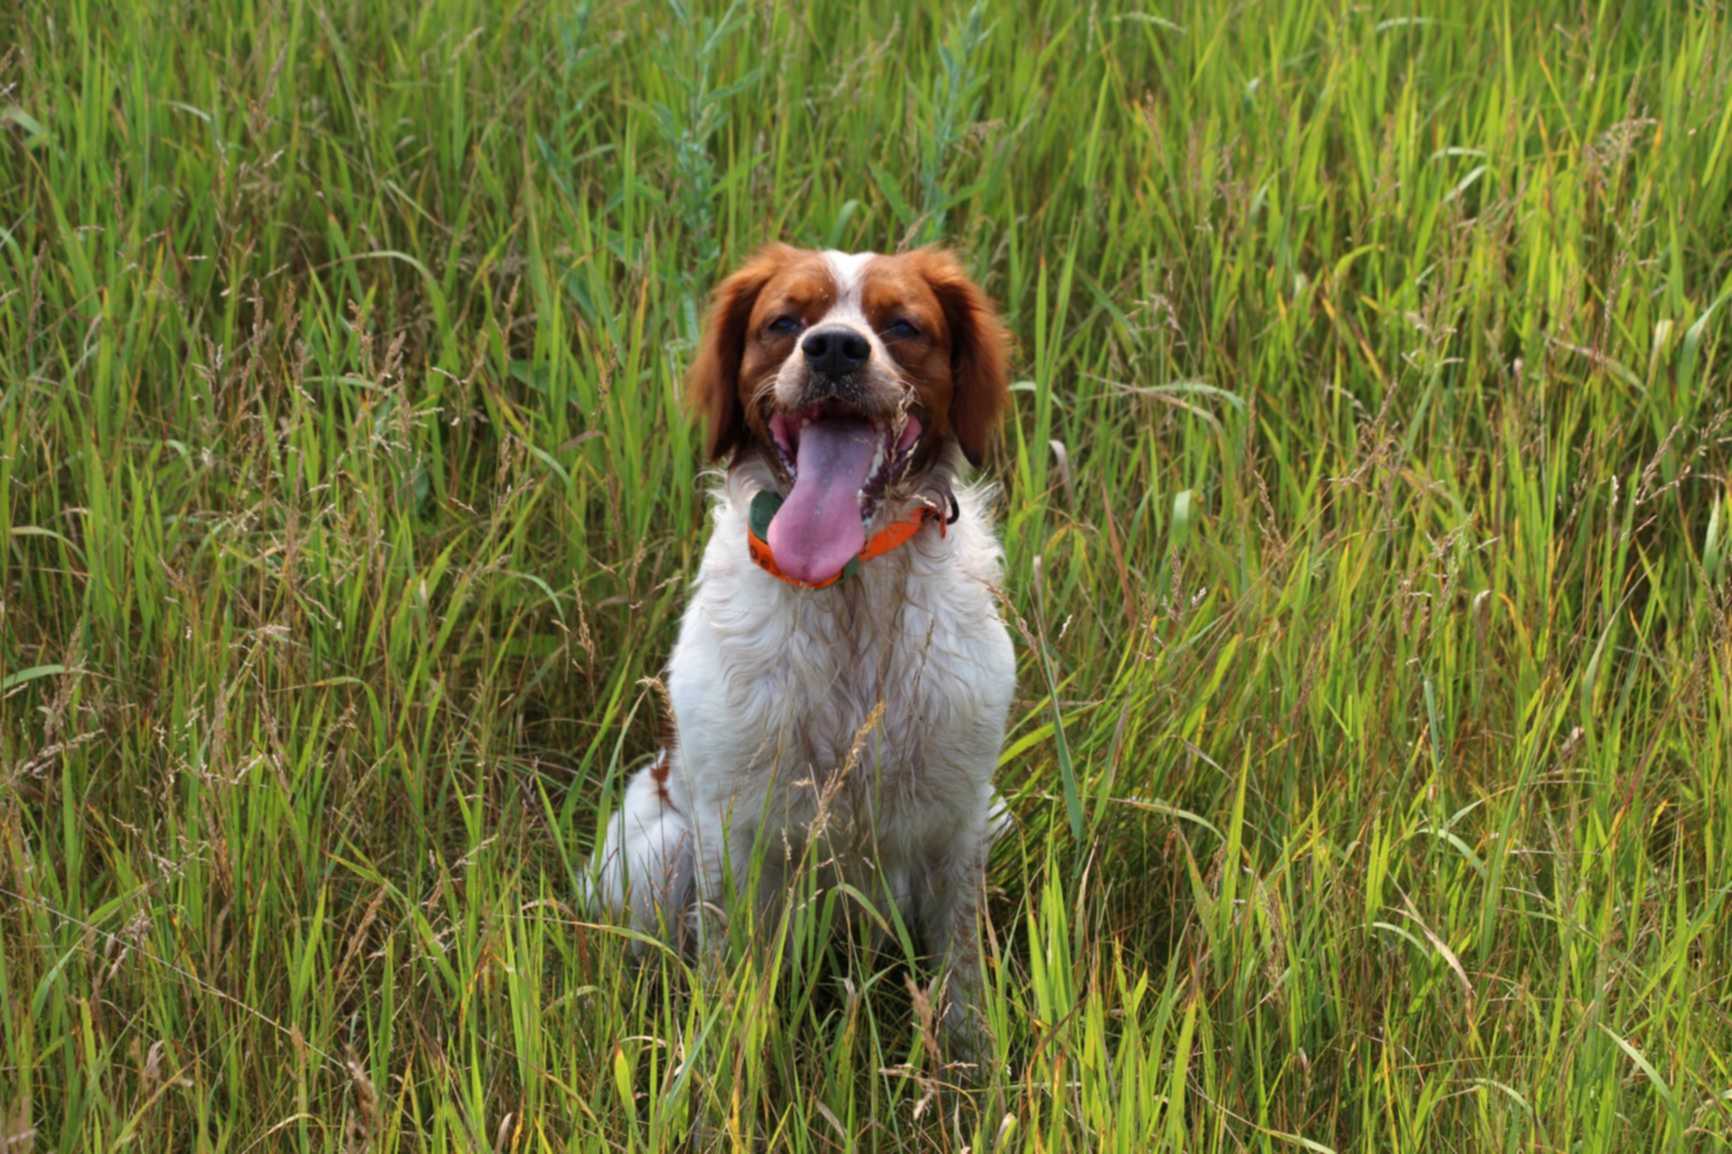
[{"x": 1368, "y": 529}]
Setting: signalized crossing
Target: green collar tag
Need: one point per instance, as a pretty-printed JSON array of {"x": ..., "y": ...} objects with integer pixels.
[{"x": 764, "y": 506}]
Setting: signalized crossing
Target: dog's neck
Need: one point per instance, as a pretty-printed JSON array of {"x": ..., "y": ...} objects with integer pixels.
[
  {"x": 933, "y": 486},
  {"x": 914, "y": 517}
]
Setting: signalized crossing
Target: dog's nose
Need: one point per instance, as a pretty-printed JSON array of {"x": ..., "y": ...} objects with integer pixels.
[{"x": 835, "y": 349}]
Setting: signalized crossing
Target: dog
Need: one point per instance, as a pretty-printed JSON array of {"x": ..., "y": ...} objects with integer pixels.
[{"x": 842, "y": 675}]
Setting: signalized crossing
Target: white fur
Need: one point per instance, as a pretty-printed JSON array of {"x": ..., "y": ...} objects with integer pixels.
[
  {"x": 644, "y": 864},
  {"x": 846, "y": 269},
  {"x": 864, "y": 720}
]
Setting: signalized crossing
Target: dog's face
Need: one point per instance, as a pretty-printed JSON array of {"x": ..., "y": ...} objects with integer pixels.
[{"x": 849, "y": 375}]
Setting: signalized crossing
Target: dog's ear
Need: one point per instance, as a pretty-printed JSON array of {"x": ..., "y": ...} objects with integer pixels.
[
  {"x": 979, "y": 353},
  {"x": 713, "y": 382}
]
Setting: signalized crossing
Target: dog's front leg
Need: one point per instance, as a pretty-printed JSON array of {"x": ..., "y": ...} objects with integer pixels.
[
  {"x": 740, "y": 884},
  {"x": 949, "y": 916},
  {"x": 722, "y": 869}
]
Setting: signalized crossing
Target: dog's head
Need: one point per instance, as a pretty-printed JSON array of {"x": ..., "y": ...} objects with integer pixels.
[{"x": 849, "y": 376}]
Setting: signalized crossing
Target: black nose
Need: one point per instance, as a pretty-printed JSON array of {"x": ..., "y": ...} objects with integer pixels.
[{"x": 835, "y": 350}]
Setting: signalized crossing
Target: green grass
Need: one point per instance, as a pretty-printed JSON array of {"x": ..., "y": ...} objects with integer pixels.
[{"x": 1367, "y": 516}]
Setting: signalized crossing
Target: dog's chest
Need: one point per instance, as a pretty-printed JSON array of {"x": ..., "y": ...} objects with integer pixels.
[
  {"x": 880, "y": 699},
  {"x": 863, "y": 679}
]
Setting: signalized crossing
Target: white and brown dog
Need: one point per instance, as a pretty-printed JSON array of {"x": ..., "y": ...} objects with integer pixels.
[{"x": 842, "y": 674}]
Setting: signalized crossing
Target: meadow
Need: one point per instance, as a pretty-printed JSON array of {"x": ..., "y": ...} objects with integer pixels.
[{"x": 1367, "y": 508}]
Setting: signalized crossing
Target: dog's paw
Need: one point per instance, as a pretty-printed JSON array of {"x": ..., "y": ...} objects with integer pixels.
[{"x": 969, "y": 1053}]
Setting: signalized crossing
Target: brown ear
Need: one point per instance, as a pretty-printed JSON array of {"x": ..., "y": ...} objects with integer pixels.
[
  {"x": 979, "y": 353},
  {"x": 713, "y": 382}
]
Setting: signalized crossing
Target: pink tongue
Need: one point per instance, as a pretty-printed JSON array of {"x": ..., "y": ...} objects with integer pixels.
[{"x": 817, "y": 530}]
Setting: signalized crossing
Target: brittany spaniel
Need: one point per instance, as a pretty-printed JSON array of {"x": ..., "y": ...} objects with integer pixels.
[{"x": 842, "y": 674}]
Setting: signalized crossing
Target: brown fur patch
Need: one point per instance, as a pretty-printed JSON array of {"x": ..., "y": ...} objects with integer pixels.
[
  {"x": 739, "y": 356},
  {"x": 659, "y": 774},
  {"x": 960, "y": 363}
]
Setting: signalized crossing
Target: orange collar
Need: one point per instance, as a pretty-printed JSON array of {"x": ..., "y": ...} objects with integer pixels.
[{"x": 892, "y": 536}]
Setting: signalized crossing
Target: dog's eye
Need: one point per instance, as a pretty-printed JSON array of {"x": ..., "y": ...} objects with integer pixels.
[
  {"x": 784, "y": 325},
  {"x": 900, "y": 329}
]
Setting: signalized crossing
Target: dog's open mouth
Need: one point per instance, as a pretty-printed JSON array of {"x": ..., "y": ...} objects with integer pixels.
[{"x": 840, "y": 462}]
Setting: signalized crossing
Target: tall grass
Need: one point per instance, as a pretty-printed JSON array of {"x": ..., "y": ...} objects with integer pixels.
[{"x": 1367, "y": 513}]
